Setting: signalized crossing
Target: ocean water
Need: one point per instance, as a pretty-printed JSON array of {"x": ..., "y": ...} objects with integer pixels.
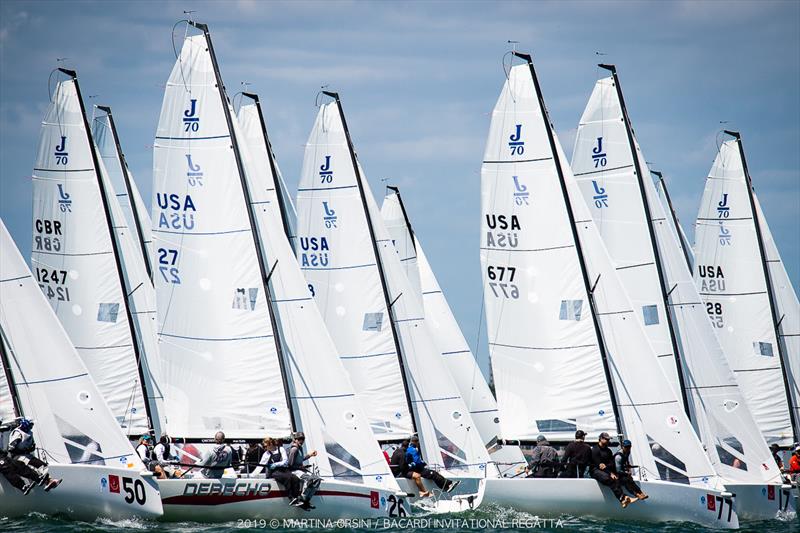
[{"x": 484, "y": 520}]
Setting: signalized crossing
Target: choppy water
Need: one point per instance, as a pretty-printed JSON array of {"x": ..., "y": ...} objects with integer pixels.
[{"x": 484, "y": 520}]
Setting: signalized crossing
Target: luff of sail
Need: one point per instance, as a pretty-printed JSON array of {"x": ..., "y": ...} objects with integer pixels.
[
  {"x": 715, "y": 404},
  {"x": 730, "y": 276},
  {"x": 77, "y": 260},
  {"x": 215, "y": 325}
]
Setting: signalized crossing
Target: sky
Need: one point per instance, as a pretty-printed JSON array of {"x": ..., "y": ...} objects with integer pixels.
[{"x": 418, "y": 81}]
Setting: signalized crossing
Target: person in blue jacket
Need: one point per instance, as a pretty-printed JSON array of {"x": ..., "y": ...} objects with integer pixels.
[{"x": 415, "y": 463}]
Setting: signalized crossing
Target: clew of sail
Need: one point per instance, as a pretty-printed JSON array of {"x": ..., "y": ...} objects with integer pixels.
[
  {"x": 220, "y": 366},
  {"x": 73, "y": 423},
  {"x": 730, "y": 276}
]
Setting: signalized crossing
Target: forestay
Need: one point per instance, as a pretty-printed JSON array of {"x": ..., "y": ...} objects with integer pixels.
[
  {"x": 73, "y": 423},
  {"x": 220, "y": 360},
  {"x": 716, "y": 406},
  {"x": 665, "y": 444},
  {"x": 447, "y": 432},
  {"x": 76, "y": 262},
  {"x": 731, "y": 279}
]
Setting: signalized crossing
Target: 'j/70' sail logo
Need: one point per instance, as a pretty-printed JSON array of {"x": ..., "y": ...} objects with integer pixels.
[
  {"x": 325, "y": 172},
  {"x": 191, "y": 122},
  {"x": 330, "y": 216},
  {"x": 724, "y": 235},
  {"x": 600, "y": 197},
  {"x": 193, "y": 173},
  {"x": 61, "y": 152},
  {"x": 515, "y": 141},
  {"x": 64, "y": 203},
  {"x": 723, "y": 209},
  {"x": 598, "y": 155},
  {"x": 521, "y": 193}
]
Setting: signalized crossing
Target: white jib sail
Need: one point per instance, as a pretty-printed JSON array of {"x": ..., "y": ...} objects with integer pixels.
[
  {"x": 394, "y": 218},
  {"x": 665, "y": 444},
  {"x": 674, "y": 222},
  {"x": 127, "y": 193},
  {"x": 253, "y": 125},
  {"x": 73, "y": 422},
  {"x": 220, "y": 361},
  {"x": 74, "y": 261},
  {"x": 446, "y": 429},
  {"x": 323, "y": 398},
  {"x": 729, "y": 274},
  {"x": 717, "y": 408}
]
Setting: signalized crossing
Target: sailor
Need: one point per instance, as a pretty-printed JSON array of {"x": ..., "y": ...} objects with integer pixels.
[
  {"x": 544, "y": 460},
  {"x": 310, "y": 480},
  {"x": 577, "y": 456},
  {"x": 145, "y": 451},
  {"x": 21, "y": 446},
  {"x": 164, "y": 458},
  {"x": 416, "y": 464},
  {"x": 794, "y": 464},
  {"x": 218, "y": 459},
  {"x": 399, "y": 468},
  {"x": 624, "y": 467},
  {"x": 276, "y": 462},
  {"x": 603, "y": 470},
  {"x": 253, "y": 455},
  {"x": 21, "y": 476},
  {"x": 775, "y": 449}
]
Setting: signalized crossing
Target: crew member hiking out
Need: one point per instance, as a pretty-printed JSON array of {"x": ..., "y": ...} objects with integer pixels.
[
  {"x": 20, "y": 450},
  {"x": 577, "y": 456},
  {"x": 602, "y": 468},
  {"x": 400, "y": 468},
  {"x": 21, "y": 476},
  {"x": 544, "y": 460},
  {"x": 416, "y": 464},
  {"x": 276, "y": 462},
  {"x": 624, "y": 467},
  {"x": 310, "y": 480}
]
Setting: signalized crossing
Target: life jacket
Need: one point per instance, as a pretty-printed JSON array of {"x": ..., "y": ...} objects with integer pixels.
[
  {"x": 21, "y": 442},
  {"x": 625, "y": 465}
]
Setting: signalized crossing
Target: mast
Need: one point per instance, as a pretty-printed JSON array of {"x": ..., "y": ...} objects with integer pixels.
[
  {"x": 675, "y": 220},
  {"x": 273, "y": 168},
  {"x": 396, "y": 190},
  {"x": 5, "y": 347},
  {"x": 378, "y": 260},
  {"x": 137, "y": 220},
  {"x": 768, "y": 280},
  {"x": 578, "y": 247},
  {"x": 653, "y": 243},
  {"x": 265, "y": 274},
  {"x": 115, "y": 248}
]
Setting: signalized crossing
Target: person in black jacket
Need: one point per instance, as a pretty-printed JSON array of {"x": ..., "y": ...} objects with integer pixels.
[
  {"x": 602, "y": 469},
  {"x": 577, "y": 456},
  {"x": 622, "y": 463},
  {"x": 399, "y": 468}
]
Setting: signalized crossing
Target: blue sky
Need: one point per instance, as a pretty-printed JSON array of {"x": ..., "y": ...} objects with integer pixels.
[{"x": 418, "y": 81}]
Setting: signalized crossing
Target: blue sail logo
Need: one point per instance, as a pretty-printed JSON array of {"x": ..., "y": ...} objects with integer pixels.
[
  {"x": 724, "y": 235},
  {"x": 521, "y": 193},
  {"x": 193, "y": 173},
  {"x": 515, "y": 143},
  {"x": 330, "y": 216},
  {"x": 600, "y": 197},
  {"x": 61, "y": 152},
  {"x": 325, "y": 172},
  {"x": 64, "y": 202},
  {"x": 723, "y": 209},
  {"x": 191, "y": 122},
  {"x": 598, "y": 155}
]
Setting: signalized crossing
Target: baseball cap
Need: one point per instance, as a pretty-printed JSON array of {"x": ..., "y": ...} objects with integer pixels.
[
  {"x": 626, "y": 443},
  {"x": 540, "y": 438}
]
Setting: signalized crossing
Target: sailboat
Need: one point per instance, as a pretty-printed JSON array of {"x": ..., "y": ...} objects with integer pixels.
[
  {"x": 506, "y": 459},
  {"x": 748, "y": 295},
  {"x": 566, "y": 349},
  {"x": 90, "y": 266},
  {"x": 243, "y": 348},
  {"x": 43, "y": 379},
  {"x": 375, "y": 317},
  {"x": 638, "y": 233}
]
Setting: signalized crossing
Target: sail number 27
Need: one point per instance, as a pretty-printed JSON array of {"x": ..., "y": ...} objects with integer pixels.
[{"x": 167, "y": 258}]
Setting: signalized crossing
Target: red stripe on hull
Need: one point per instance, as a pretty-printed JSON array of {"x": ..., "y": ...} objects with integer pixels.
[{"x": 219, "y": 499}]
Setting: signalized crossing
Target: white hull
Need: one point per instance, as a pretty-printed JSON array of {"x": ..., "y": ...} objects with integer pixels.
[
  {"x": 668, "y": 502},
  {"x": 229, "y": 498},
  {"x": 763, "y": 502},
  {"x": 468, "y": 495},
  {"x": 86, "y": 493}
]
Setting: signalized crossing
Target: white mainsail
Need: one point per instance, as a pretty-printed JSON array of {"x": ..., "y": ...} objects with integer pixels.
[
  {"x": 675, "y": 224},
  {"x": 715, "y": 404},
  {"x": 544, "y": 292},
  {"x": 77, "y": 259},
  {"x": 730, "y": 276},
  {"x": 370, "y": 307},
  {"x": 52, "y": 385},
  {"x": 106, "y": 138}
]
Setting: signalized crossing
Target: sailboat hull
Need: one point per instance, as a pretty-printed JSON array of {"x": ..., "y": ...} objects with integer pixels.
[
  {"x": 468, "y": 495},
  {"x": 668, "y": 502},
  {"x": 763, "y": 502},
  {"x": 87, "y": 492},
  {"x": 226, "y": 499}
]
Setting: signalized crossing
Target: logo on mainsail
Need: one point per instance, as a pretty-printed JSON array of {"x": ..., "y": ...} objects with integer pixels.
[
  {"x": 325, "y": 172},
  {"x": 600, "y": 197},
  {"x": 521, "y": 193},
  {"x": 724, "y": 235},
  {"x": 61, "y": 152},
  {"x": 191, "y": 122},
  {"x": 598, "y": 155},
  {"x": 64, "y": 202},
  {"x": 193, "y": 173},
  {"x": 330, "y": 216},
  {"x": 723, "y": 209},
  {"x": 516, "y": 144}
]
